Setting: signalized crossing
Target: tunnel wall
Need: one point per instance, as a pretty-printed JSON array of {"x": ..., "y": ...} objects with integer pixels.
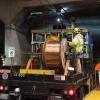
[
  {"x": 92, "y": 23},
  {"x": 17, "y": 40}
]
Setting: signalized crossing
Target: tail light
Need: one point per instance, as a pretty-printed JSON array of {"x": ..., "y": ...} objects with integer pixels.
[
  {"x": 1, "y": 88},
  {"x": 69, "y": 92}
]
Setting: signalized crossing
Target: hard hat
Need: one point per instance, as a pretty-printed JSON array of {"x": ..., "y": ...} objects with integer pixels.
[{"x": 76, "y": 30}]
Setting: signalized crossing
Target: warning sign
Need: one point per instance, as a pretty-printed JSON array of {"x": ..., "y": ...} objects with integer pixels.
[
  {"x": 11, "y": 52},
  {"x": 5, "y": 76}
]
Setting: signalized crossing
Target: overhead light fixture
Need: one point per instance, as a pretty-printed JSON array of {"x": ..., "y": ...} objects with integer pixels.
[
  {"x": 58, "y": 19},
  {"x": 63, "y": 10},
  {"x": 36, "y": 13}
]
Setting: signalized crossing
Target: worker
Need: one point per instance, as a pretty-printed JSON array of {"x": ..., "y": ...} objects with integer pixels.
[{"x": 76, "y": 46}]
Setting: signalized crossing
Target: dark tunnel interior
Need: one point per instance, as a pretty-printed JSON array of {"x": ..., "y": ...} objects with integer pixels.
[{"x": 87, "y": 16}]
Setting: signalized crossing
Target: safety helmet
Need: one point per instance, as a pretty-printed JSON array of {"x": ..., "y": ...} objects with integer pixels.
[{"x": 76, "y": 30}]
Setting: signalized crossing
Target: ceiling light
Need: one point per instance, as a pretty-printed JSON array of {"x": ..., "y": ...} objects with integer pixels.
[
  {"x": 63, "y": 10},
  {"x": 58, "y": 20},
  {"x": 36, "y": 13}
]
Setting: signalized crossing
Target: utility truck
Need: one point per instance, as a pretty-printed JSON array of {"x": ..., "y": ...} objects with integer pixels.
[{"x": 42, "y": 77}]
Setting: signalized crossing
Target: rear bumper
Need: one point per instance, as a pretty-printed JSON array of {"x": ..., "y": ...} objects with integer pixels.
[
  {"x": 35, "y": 87},
  {"x": 42, "y": 85}
]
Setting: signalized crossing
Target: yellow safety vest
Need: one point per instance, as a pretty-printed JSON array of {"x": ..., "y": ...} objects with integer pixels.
[{"x": 77, "y": 43}]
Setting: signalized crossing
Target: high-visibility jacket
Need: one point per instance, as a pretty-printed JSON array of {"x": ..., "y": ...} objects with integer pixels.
[{"x": 77, "y": 43}]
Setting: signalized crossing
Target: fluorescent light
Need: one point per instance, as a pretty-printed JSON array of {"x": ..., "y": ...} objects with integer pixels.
[
  {"x": 65, "y": 8},
  {"x": 36, "y": 13}
]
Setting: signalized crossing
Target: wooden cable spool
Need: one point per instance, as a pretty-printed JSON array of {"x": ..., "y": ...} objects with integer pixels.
[
  {"x": 63, "y": 50},
  {"x": 54, "y": 53}
]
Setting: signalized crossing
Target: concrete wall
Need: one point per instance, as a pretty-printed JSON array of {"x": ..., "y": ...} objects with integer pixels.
[
  {"x": 17, "y": 40},
  {"x": 9, "y": 9}
]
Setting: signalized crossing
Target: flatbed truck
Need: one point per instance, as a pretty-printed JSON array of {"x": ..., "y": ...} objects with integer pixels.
[{"x": 46, "y": 84}]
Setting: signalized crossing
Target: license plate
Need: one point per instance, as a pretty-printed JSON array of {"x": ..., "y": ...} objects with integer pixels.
[{"x": 3, "y": 96}]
